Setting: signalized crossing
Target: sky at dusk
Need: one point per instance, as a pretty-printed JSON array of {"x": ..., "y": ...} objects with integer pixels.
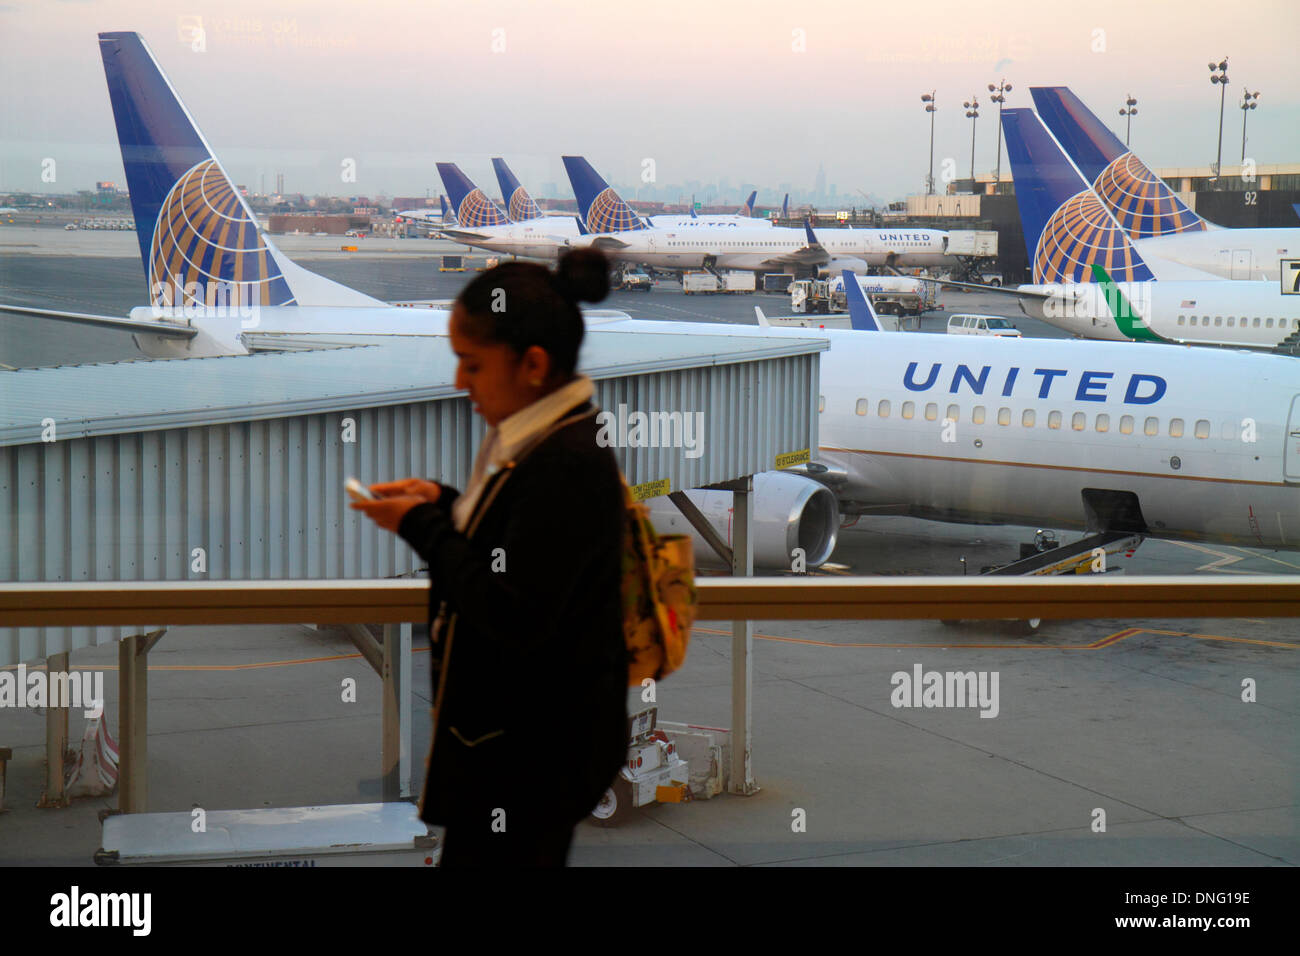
[{"x": 761, "y": 92}]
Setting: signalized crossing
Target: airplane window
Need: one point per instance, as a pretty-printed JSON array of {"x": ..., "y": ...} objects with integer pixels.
[
  {"x": 1103, "y": 423},
  {"x": 1268, "y": 323},
  {"x": 1027, "y": 419},
  {"x": 862, "y": 406},
  {"x": 1175, "y": 428},
  {"x": 821, "y": 403},
  {"x": 1231, "y": 321},
  {"x": 1255, "y": 323},
  {"x": 977, "y": 415},
  {"x": 1126, "y": 425},
  {"x": 883, "y": 408},
  {"x": 1053, "y": 419},
  {"x": 1079, "y": 421},
  {"x": 931, "y": 411},
  {"x": 954, "y": 413},
  {"x": 1004, "y": 416},
  {"x": 1151, "y": 426},
  {"x": 909, "y": 409},
  {"x": 1202, "y": 428},
  {"x": 1205, "y": 320},
  {"x": 1218, "y": 321},
  {"x": 1182, "y": 320}
]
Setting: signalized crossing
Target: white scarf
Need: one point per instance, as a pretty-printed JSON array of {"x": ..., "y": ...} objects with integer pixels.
[{"x": 503, "y": 441}]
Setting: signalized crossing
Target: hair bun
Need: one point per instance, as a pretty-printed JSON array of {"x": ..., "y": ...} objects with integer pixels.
[{"x": 583, "y": 275}]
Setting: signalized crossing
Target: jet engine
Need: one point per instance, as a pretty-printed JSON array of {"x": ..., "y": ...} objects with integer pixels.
[{"x": 790, "y": 512}]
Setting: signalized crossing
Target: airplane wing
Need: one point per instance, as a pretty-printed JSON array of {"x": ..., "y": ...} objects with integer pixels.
[
  {"x": 812, "y": 254},
  {"x": 608, "y": 242},
  {"x": 106, "y": 321},
  {"x": 1019, "y": 293},
  {"x": 464, "y": 235}
]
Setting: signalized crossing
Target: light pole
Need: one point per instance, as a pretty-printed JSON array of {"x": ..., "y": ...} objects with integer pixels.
[
  {"x": 1247, "y": 103},
  {"x": 973, "y": 114},
  {"x": 1219, "y": 75},
  {"x": 928, "y": 100},
  {"x": 1130, "y": 111},
  {"x": 999, "y": 96}
]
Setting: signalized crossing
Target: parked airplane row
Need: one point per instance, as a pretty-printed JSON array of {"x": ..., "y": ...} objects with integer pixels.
[
  {"x": 608, "y": 222},
  {"x": 1170, "y": 441},
  {"x": 1117, "y": 255}
]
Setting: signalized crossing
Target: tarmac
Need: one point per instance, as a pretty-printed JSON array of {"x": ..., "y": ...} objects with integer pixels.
[{"x": 1142, "y": 720}]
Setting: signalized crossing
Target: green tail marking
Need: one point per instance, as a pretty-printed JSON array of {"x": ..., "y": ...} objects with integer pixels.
[{"x": 1128, "y": 320}]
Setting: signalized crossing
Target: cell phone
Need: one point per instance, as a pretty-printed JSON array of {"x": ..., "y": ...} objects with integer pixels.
[{"x": 357, "y": 491}]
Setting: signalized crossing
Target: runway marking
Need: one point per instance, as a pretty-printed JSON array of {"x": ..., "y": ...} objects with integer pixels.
[
  {"x": 1106, "y": 641},
  {"x": 1224, "y": 559}
]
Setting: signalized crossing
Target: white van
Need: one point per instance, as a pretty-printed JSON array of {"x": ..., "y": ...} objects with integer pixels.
[{"x": 982, "y": 325}]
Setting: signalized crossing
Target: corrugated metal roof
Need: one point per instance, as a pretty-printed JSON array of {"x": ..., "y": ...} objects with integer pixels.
[{"x": 113, "y": 398}]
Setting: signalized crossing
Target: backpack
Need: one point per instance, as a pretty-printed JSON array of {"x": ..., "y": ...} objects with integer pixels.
[{"x": 659, "y": 597}]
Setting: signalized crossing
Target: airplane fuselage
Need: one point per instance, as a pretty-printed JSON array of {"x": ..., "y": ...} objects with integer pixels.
[
  {"x": 1014, "y": 430},
  {"x": 773, "y": 247},
  {"x": 1196, "y": 312},
  {"x": 1225, "y": 253}
]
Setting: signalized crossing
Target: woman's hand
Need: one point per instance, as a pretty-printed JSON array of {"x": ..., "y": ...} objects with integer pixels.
[
  {"x": 395, "y": 498},
  {"x": 388, "y": 512},
  {"x": 417, "y": 487}
]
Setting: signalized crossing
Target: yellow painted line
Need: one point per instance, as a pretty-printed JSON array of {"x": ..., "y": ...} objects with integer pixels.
[{"x": 1106, "y": 641}]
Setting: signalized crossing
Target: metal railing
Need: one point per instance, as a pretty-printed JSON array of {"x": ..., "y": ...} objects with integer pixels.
[{"x": 779, "y": 598}]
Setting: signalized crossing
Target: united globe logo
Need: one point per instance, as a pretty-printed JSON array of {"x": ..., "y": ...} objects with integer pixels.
[
  {"x": 522, "y": 207},
  {"x": 608, "y": 213},
  {"x": 206, "y": 247},
  {"x": 1141, "y": 202},
  {"x": 477, "y": 210},
  {"x": 1079, "y": 234}
]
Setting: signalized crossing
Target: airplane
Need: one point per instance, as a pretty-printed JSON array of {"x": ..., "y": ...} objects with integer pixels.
[
  {"x": 215, "y": 280},
  {"x": 1070, "y": 233},
  {"x": 1152, "y": 214},
  {"x": 443, "y": 217},
  {"x": 744, "y": 216},
  {"x": 621, "y": 234},
  {"x": 1165, "y": 441},
  {"x": 1114, "y": 439},
  {"x": 481, "y": 223}
]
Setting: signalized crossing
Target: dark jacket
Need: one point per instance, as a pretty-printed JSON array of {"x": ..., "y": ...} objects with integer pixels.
[{"x": 533, "y": 715}]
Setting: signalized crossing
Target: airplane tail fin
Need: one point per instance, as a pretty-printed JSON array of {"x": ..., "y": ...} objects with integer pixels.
[
  {"x": 1066, "y": 227},
  {"x": 197, "y": 235},
  {"x": 747, "y": 207},
  {"x": 519, "y": 205},
  {"x": 785, "y": 207},
  {"x": 1138, "y": 199},
  {"x": 448, "y": 217},
  {"x": 602, "y": 209},
  {"x": 472, "y": 207},
  {"x": 862, "y": 316}
]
